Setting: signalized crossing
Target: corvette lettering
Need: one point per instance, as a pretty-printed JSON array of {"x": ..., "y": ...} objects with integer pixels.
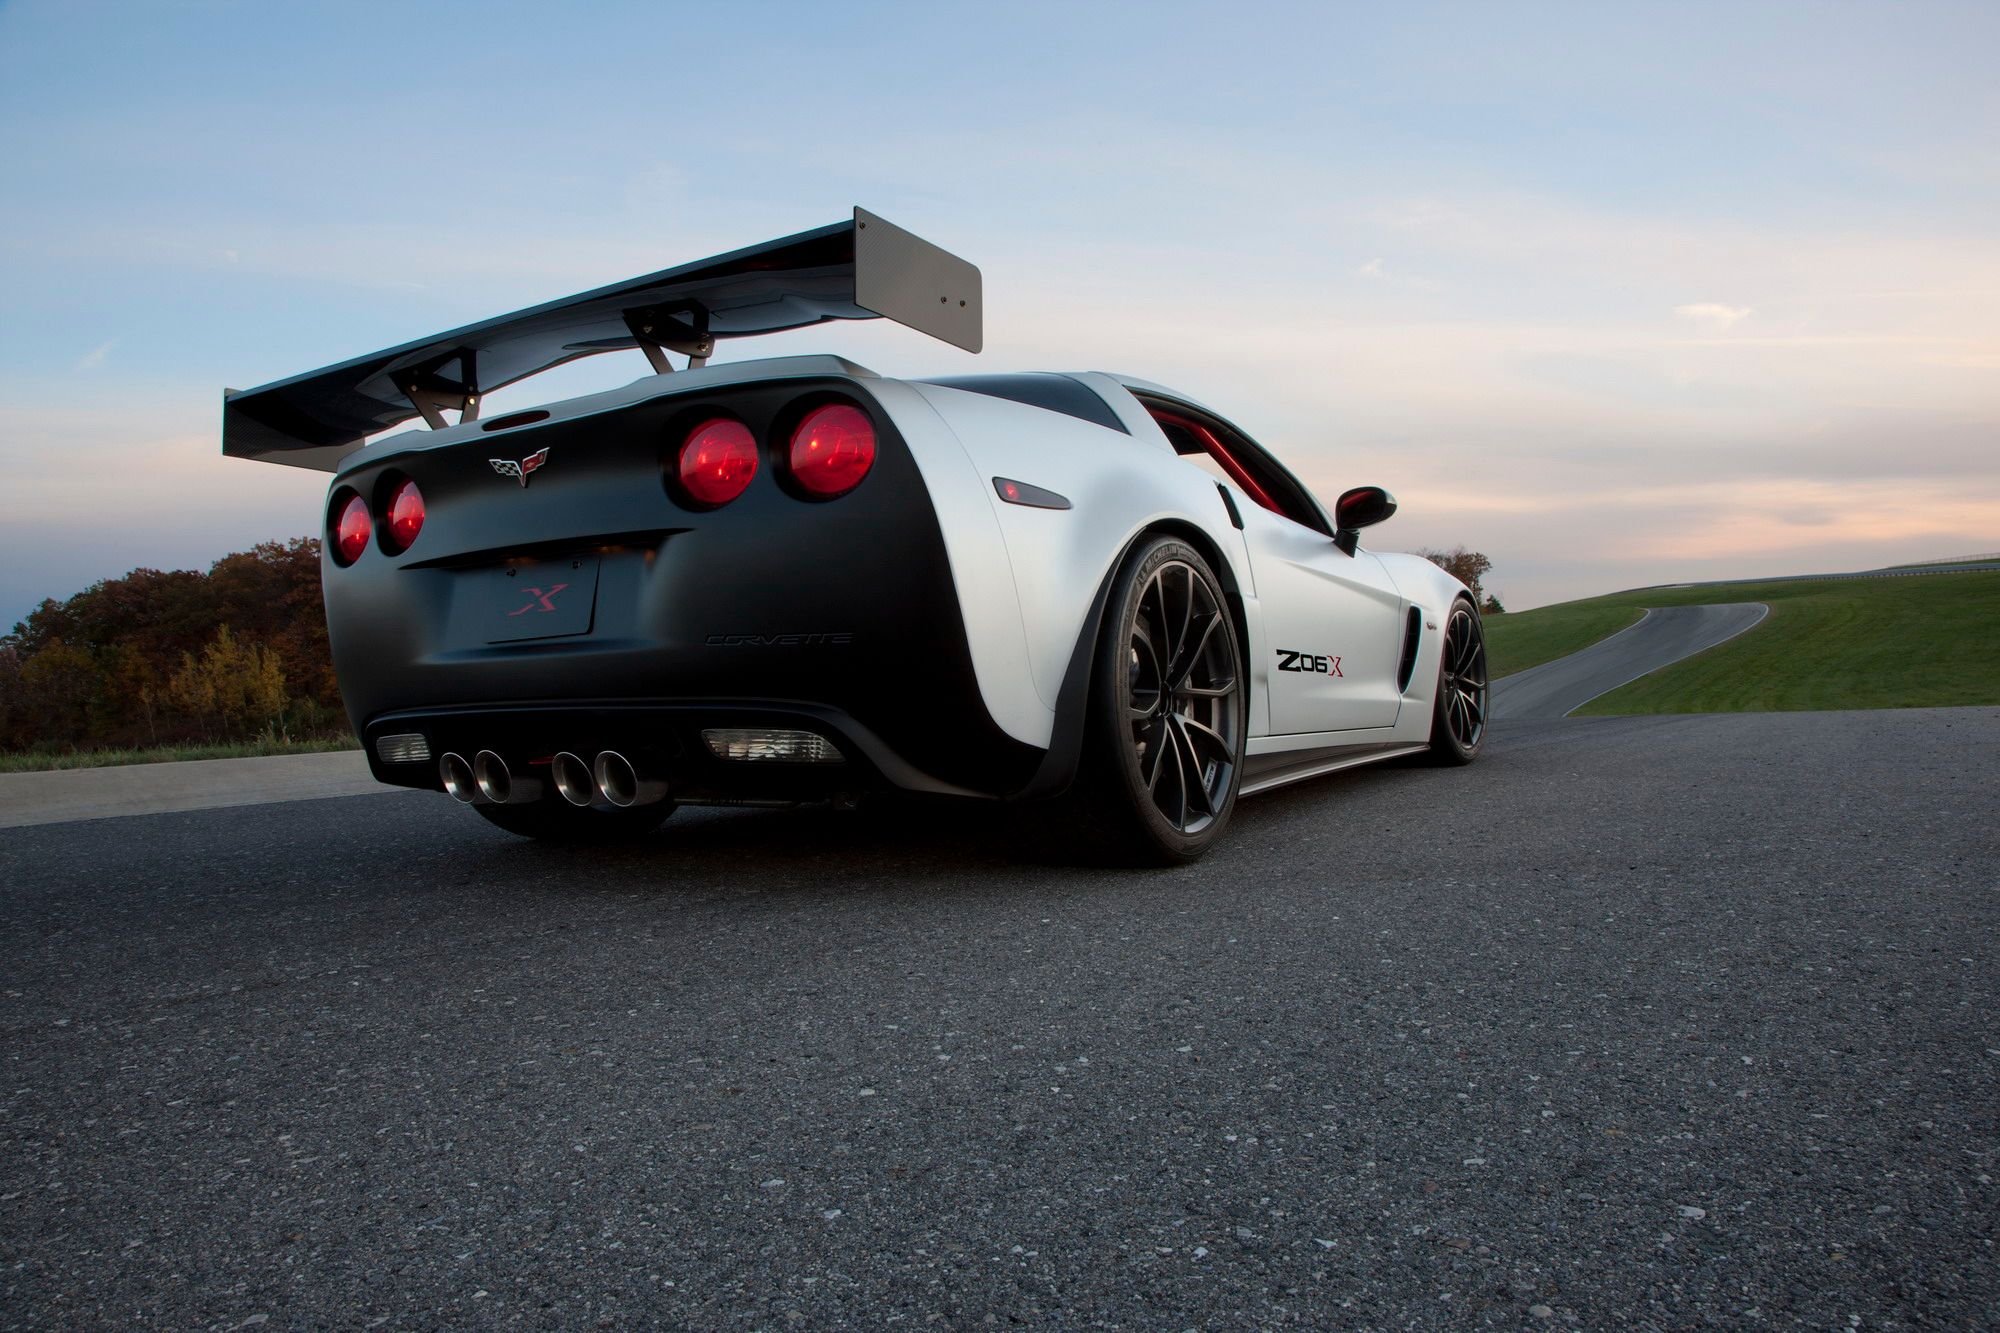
[
  {"x": 1292, "y": 660},
  {"x": 775, "y": 640},
  {"x": 507, "y": 467}
]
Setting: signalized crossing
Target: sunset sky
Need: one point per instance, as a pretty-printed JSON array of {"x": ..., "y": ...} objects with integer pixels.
[{"x": 1616, "y": 294}]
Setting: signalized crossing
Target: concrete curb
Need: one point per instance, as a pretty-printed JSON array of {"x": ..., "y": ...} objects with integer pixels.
[{"x": 149, "y": 789}]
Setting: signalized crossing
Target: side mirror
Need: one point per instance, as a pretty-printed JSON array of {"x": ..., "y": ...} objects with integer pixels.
[{"x": 1362, "y": 507}]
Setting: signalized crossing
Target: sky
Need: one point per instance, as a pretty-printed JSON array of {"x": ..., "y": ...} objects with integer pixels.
[{"x": 1616, "y": 294}]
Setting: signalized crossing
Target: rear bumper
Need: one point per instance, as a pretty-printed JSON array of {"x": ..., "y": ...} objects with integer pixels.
[
  {"x": 664, "y": 739},
  {"x": 841, "y": 613}
]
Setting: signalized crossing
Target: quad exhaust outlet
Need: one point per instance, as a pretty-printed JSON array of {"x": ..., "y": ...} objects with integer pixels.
[
  {"x": 609, "y": 781},
  {"x": 574, "y": 779},
  {"x": 623, "y": 785},
  {"x": 459, "y": 782},
  {"x": 499, "y": 784}
]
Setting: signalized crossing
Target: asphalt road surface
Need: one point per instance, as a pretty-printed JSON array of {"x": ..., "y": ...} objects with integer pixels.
[
  {"x": 1661, "y": 637},
  {"x": 1640, "y": 1023}
]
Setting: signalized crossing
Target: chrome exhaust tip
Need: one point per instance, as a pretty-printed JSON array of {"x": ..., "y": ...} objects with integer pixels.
[
  {"x": 620, "y": 784},
  {"x": 498, "y": 784},
  {"x": 574, "y": 779},
  {"x": 458, "y": 779}
]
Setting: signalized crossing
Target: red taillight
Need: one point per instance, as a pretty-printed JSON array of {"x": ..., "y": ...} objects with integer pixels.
[
  {"x": 406, "y": 516},
  {"x": 718, "y": 461},
  {"x": 350, "y": 531},
  {"x": 832, "y": 449}
]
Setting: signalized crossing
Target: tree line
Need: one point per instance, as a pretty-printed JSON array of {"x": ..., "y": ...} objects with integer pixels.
[{"x": 175, "y": 657}]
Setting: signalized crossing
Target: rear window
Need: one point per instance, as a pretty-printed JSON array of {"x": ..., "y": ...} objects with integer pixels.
[{"x": 1054, "y": 393}]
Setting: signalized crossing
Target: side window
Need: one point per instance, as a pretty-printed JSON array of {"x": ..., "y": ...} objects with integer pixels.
[
  {"x": 1188, "y": 446},
  {"x": 1227, "y": 455}
]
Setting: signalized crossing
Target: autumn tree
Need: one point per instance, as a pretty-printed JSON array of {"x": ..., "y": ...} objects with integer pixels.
[
  {"x": 234, "y": 686},
  {"x": 1468, "y": 567},
  {"x": 99, "y": 668},
  {"x": 57, "y": 685}
]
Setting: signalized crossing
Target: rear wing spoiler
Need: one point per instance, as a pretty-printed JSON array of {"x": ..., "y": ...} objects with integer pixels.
[{"x": 861, "y": 269}]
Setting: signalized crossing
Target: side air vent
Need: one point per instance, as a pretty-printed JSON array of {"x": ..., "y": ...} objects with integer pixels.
[
  {"x": 1409, "y": 662},
  {"x": 1229, "y": 503}
]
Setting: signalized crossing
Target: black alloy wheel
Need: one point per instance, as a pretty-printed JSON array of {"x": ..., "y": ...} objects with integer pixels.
[
  {"x": 1458, "y": 721},
  {"x": 1164, "y": 756}
]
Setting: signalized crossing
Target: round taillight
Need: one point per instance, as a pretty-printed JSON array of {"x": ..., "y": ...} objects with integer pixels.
[
  {"x": 718, "y": 461},
  {"x": 350, "y": 531},
  {"x": 406, "y": 517},
  {"x": 832, "y": 449}
]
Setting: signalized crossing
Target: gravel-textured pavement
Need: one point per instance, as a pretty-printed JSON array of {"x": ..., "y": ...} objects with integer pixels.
[
  {"x": 1663, "y": 636},
  {"x": 1639, "y": 1023}
]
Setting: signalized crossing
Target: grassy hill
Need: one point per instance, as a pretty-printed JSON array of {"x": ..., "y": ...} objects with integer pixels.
[{"x": 1918, "y": 641}]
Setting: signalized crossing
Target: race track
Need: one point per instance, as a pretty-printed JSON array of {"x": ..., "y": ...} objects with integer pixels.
[
  {"x": 1650, "y": 1022},
  {"x": 1663, "y": 636}
]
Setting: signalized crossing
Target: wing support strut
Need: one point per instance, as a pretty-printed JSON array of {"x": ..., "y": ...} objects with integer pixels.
[
  {"x": 431, "y": 391},
  {"x": 660, "y": 331}
]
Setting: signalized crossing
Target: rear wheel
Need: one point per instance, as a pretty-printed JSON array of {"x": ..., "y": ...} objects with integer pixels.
[
  {"x": 1163, "y": 755},
  {"x": 1458, "y": 718},
  {"x": 559, "y": 821}
]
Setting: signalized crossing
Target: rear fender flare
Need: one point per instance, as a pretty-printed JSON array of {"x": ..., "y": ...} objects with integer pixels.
[{"x": 1059, "y": 764}]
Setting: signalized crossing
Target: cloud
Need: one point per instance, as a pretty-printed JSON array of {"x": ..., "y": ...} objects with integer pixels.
[
  {"x": 1524, "y": 397},
  {"x": 1378, "y": 271},
  {"x": 1716, "y": 316},
  {"x": 94, "y": 358}
]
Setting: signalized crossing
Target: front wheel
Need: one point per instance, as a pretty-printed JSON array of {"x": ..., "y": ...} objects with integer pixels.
[
  {"x": 1458, "y": 718},
  {"x": 559, "y": 821},
  {"x": 1163, "y": 750}
]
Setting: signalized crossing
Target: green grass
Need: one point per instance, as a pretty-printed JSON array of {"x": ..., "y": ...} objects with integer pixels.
[
  {"x": 1922, "y": 641},
  {"x": 1521, "y": 639},
  {"x": 41, "y": 761}
]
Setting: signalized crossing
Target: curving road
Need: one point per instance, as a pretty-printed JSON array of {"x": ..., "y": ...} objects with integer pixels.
[{"x": 1662, "y": 637}]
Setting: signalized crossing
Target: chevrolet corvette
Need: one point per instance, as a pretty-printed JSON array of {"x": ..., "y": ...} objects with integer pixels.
[{"x": 794, "y": 580}]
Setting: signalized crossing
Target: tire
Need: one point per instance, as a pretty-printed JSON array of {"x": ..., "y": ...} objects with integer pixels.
[
  {"x": 1459, "y": 710},
  {"x": 1167, "y": 700},
  {"x": 559, "y": 821}
]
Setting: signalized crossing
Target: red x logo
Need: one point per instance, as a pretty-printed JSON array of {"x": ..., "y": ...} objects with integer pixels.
[{"x": 539, "y": 599}]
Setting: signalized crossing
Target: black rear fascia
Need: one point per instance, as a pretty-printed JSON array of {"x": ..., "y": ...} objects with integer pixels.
[{"x": 842, "y": 609}]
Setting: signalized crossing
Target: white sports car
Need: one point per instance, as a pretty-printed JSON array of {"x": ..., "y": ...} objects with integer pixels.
[{"x": 794, "y": 580}]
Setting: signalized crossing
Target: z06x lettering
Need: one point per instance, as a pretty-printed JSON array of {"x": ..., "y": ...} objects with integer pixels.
[{"x": 1289, "y": 660}]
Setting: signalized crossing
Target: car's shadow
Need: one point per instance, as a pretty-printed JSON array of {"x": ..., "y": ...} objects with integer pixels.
[{"x": 937, "y": 844}]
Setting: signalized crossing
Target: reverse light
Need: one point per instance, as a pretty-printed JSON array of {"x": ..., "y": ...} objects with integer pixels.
[
  {"x": 407, "y": 747},
  {"x": 717, "y": 461},
  {"x": 406, "y": 517},
  {"x": 832, "y": 450},
  {"x": 770, "y": 745},
  {"x": 350, "y": 531}
]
